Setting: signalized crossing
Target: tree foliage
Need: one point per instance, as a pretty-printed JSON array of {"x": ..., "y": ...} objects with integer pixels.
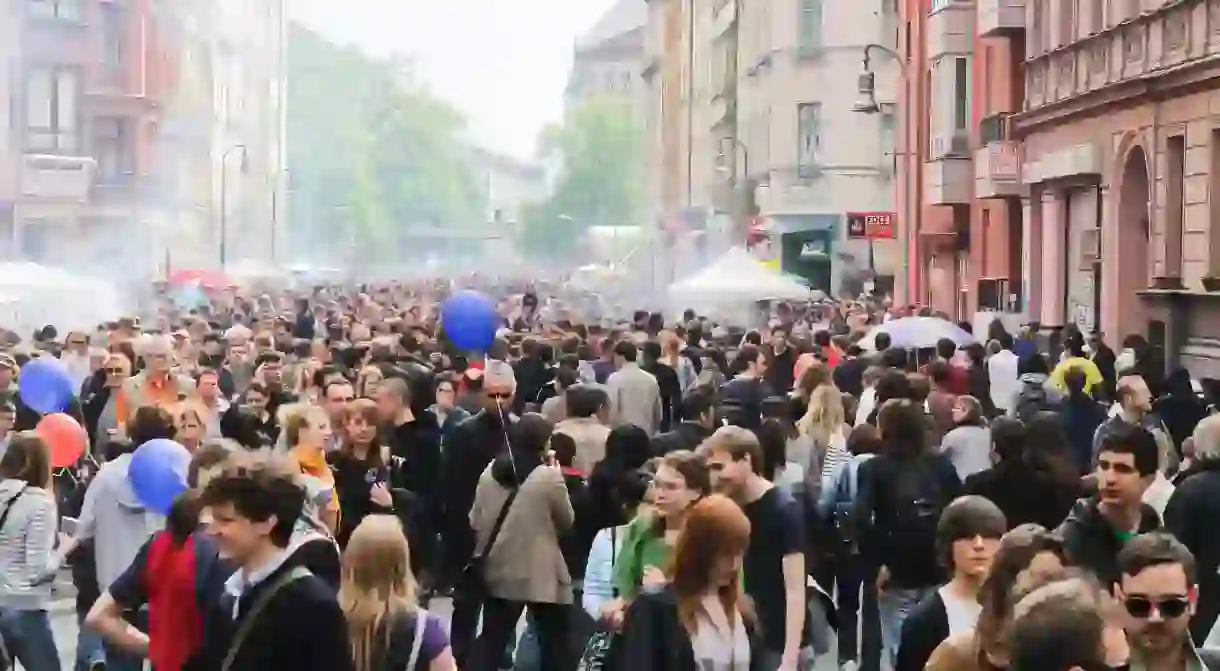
[
  {"x": 371, "y": 154},
  {"x": 599, "y": 148}
]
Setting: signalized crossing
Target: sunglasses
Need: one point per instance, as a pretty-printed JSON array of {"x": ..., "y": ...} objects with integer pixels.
[
  {"x": 1170, "y": 608},
  {"x": 504, "y": 395},
  {"x": 115, "y": 371}
]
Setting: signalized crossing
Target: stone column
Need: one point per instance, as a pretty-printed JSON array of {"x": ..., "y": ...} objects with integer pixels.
[
  {"x": 1031, "y": 255},
  {"x": 1054, "y": 256}
]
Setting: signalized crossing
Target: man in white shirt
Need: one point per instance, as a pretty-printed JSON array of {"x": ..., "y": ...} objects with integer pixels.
[{"x": 1002, "y": 371}]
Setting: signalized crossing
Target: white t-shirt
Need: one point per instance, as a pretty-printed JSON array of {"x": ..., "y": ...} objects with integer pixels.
[{"x": 962, "y": 613}]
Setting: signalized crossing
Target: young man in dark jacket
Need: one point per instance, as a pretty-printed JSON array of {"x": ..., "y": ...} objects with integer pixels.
[
  {"x": 1096, "y": 528},
  {"x": 280, "y": 616}
]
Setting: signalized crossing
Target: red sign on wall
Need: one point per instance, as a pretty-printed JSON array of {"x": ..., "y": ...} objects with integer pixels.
[{"x": 871, "y": 225}]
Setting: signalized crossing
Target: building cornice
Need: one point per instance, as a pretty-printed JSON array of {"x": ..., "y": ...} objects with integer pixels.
[
  {"x": 1176, "y": 81},
  {"x": 1159, "y": 84}
]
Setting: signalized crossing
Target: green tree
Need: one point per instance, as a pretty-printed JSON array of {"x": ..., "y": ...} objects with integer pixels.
[
  {"x": 599, "y": 147},
  {"x": 372, "y": 155}
]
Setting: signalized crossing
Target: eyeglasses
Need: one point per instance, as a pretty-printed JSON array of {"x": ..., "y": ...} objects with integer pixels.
[
  {"x": 115, "y": 371},
  {"x": 1169, "y": 608}
]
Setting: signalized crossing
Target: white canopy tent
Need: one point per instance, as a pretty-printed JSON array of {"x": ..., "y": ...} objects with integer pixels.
[
  {"x": 32, "y": 296},
  {"x": 736, "y": 278}
]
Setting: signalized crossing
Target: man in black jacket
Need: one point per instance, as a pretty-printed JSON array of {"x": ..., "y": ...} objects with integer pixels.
[
  {"x": 698, "y": 413},
  {"x": 280, "y": 616},
  {"x": 473, "y": 445},
  {"x": 1096, "y": 528},
  {"x": 1189, "y": 516}
]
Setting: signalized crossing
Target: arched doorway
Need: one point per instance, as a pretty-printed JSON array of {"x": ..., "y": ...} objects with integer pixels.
[{"x": 1134, "y": 241}]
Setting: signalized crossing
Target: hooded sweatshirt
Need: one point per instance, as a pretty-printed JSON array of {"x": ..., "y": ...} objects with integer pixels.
[
  {"x": 115, "y": 518},
  {"x": 28, "y": 560}
]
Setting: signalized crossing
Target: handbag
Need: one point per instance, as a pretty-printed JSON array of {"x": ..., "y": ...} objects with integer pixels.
[
  {"x": 473, "y": 577},
  {"x": 597, "y": 653}
]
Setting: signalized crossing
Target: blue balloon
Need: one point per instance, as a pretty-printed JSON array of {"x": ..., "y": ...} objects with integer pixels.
[
  {"x": 46, "y": 386},
  {"x": 157, "y": 473},
  {"x": 470, "y": 321}
]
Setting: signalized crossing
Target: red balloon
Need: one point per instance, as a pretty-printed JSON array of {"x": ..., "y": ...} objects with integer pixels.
[{"x": 65, "y": 438}]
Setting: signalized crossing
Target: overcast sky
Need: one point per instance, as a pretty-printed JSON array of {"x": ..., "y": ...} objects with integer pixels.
[{"x": 503, "y": 63}]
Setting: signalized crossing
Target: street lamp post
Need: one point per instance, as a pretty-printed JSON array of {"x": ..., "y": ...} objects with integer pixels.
[
  {"x": 224, "y": 198},
  {"x": 869, "y": 105},
  {"x": 733, "y": 144}
]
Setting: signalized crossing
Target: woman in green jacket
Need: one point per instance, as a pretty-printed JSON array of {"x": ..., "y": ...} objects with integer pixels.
[{"x": 647, "y": 547}]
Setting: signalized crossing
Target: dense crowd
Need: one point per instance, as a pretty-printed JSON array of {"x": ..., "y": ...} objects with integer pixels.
[{"x": 647, "y": 493}]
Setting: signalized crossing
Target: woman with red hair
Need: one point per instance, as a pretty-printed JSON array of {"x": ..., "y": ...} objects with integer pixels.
[{"x": 699, "y": 620}]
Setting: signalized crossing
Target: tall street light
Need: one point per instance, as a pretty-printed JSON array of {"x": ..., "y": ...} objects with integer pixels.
[
  {"x": 224, "y": 197},
  {"x": 866, "y": 83},
  {"x": 727, "y": 164}
]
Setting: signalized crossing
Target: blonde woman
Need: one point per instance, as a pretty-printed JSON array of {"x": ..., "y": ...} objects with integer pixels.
[
  {"x": 307, "y": 432},
  {"x": 825, "y": 432},
  {"x": 671, "y": 348},
  {"x": 385, "y": 625}
]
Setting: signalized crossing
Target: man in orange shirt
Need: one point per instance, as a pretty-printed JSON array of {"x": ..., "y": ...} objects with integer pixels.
[{"x": 157, "y": 384}]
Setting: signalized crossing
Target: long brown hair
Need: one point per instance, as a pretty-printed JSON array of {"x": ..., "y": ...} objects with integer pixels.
[
  {"x": 366, "y": 410},
  {"x": 376, "y": 585},
  {"x": 1017, "y": 550},
  {"x": 28, "y": 458},
  {"x": 715, "y": 529}
]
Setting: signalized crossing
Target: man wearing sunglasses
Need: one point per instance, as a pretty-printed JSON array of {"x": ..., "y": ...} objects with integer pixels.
[{"x": 1157, "y": 589}]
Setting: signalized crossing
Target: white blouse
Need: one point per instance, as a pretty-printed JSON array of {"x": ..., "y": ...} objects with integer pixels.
[{"x": 714, "y": 647}]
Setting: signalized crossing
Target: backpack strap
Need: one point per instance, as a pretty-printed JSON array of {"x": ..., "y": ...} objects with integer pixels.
[
  {"x": 260, "y": 605},
  {"x": 421, "y": 623},
  {"x": 10, "y": 503}
]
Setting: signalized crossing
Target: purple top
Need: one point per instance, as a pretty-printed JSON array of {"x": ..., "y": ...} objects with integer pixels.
[{"x": 402, "y": 638}]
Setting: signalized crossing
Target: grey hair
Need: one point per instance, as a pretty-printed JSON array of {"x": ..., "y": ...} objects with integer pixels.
[
  {"x": 150, "y": 343},
  {"x": 499, "y": 372},
  {"x": 1206, "y": 438}
]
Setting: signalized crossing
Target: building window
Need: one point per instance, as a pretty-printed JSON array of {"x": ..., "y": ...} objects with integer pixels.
[
  {"x": 1175, "y": 209},
  {"x": 112, "y": 35},
  {"x": 1067, "y": 21},
  {"x": 1038, "y": 22},
  {"x": 1098, "y": 19},
  {"x": 60, "y": 10},
  {"x": 51, "y": 101},
  {"x": 961, "y": 93},
  {"x": 811, "y": 23},
  {"x": 112, "y": 148},
  {"x": 810, "y": 135}
]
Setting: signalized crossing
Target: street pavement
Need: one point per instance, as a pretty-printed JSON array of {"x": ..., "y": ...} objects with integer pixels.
[{"x": 63, "y": 623}]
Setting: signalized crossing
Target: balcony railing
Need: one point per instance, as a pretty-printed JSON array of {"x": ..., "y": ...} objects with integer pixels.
[
  {"x": 64, "y": 178},
  {"x": 1001, "y": 18},
  {"x": 997, "y": 170},
  {"x": 950, "y": 29},
  {"x": 994, "y": 128},
  {"x": 947, "y": 181}
]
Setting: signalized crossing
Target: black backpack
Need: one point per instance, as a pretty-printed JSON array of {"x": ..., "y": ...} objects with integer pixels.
[{"x": 919, "y": 500}]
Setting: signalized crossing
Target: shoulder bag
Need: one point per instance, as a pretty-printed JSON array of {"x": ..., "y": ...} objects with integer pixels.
[
  {"x": 260, "y": 605},
  {"x": 473, "y": 577},
  {"x": 421, "y": 623},
  {"x": 11, "y": 502},
  {"x": 597, "y": 654}
]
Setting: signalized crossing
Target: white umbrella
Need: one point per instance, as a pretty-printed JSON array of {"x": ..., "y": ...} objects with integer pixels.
[{"x": 917, "y": 333}]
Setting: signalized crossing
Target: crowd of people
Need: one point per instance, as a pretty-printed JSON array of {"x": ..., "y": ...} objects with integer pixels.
[{"x": 648, "y": 494}]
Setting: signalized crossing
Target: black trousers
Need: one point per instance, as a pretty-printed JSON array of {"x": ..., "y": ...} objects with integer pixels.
[
  {"x": 500, "y": 618},
  {"x": 853, "y": 578}
]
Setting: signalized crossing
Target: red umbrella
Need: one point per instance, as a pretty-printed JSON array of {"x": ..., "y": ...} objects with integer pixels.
[{"x": 209, "y": 279}]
